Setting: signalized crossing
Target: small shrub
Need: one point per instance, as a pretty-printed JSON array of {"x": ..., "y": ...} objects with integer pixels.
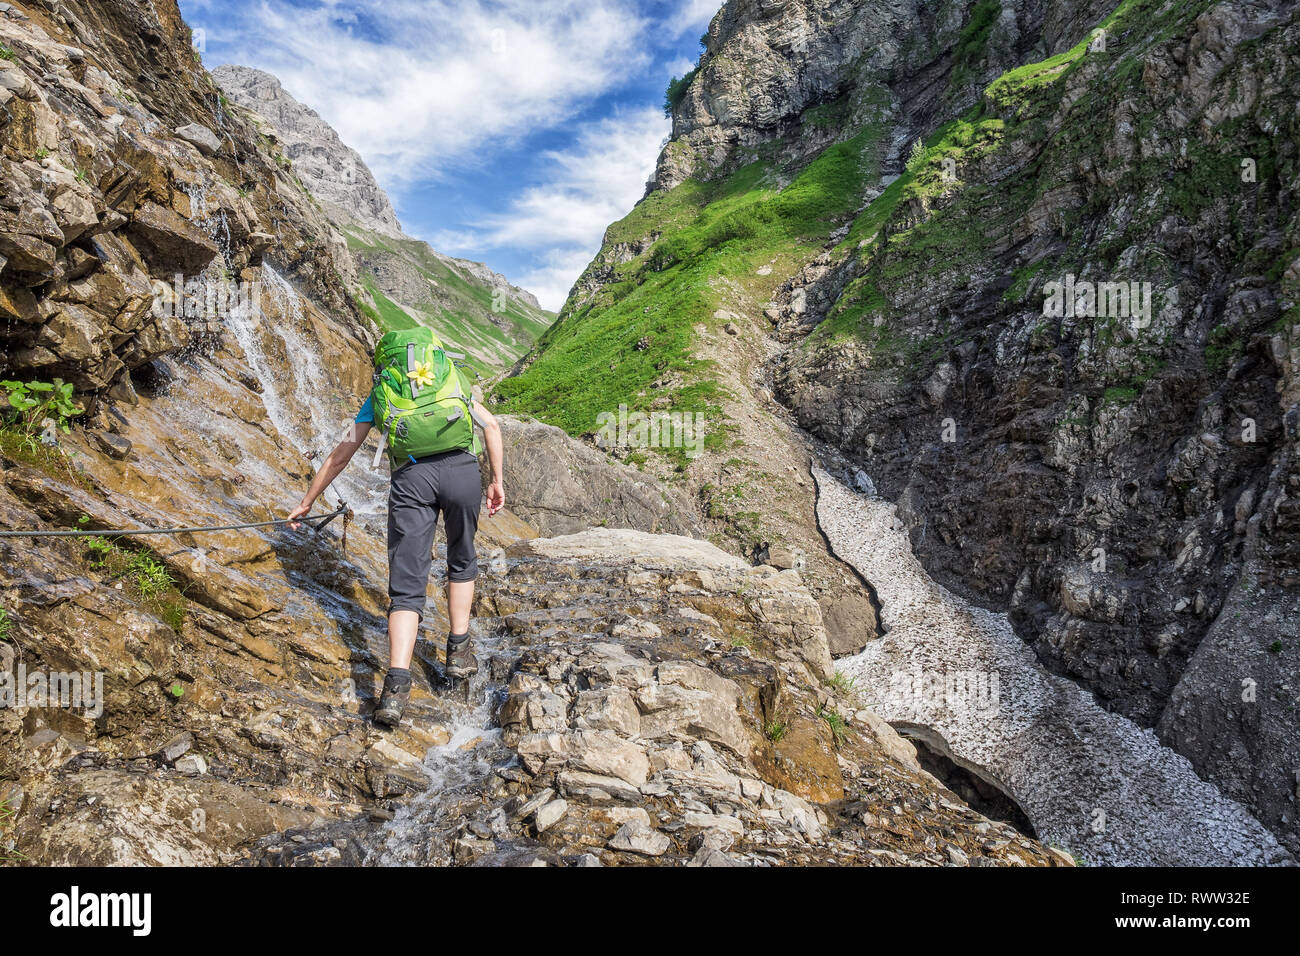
[{"x": 676, "y": 91}]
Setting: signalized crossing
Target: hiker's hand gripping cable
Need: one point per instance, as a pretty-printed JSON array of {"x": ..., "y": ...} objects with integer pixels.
[
  {"x": 334, "y": 463},
  {"x": 496, "y": 494}
]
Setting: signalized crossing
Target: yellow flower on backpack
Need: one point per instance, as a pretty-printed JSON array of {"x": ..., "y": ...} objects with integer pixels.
[{"x": 422, "y": 375}]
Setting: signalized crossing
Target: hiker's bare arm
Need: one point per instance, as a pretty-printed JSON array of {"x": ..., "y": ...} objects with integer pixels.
[
  {"x": 335, "y": 462},
  {"x": 496, "y": 495}
]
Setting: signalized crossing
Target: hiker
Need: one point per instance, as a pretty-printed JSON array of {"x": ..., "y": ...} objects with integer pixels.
[{"x": 423, "y": 402}]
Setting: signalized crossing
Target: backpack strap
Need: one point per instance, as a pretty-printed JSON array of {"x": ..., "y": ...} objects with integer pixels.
[
  {"x": 383, "y": 440},
  {"x": 410, "y": 367}
]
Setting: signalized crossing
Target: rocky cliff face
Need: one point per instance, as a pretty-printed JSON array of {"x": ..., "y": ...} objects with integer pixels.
[
  {"x": 868, "y": 208},
  {"x": 661, "y": 700},
  {"x": 334, "y": 172},
  {"x": 1114, "y": 479},
  {"x": 402, "y": 280}
]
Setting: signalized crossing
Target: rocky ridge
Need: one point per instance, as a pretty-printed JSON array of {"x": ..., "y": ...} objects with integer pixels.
[
  {"x": 240, "y": 668},
  {"x": 868, "y": 202},
  {"x": 333, "y": 171},
  {"x": 402, "y": 280}
]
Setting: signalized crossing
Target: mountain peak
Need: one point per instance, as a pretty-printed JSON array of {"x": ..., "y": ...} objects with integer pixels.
[{"x": 333, "y": 171}]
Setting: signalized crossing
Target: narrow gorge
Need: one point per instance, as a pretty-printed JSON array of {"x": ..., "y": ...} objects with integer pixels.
[{"x": 951, "y": 578}]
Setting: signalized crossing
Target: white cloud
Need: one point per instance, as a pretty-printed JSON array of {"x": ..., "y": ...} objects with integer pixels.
[
  {"x": 593, "y": 183},
  {"x": 417, "y": 83},
  {"x": 696, "y": 14},
  {"x": 680, "y": 67}
]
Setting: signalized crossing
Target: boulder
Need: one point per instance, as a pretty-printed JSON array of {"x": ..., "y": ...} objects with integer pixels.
[
  {"x": 200, "y": 136},
  {"x": 169, "y": 242}
]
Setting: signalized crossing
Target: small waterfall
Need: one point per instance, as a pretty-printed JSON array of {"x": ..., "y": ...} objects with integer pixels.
[
  {"x": 296, "y": 387},
  {"x": 458, "y": 772}
]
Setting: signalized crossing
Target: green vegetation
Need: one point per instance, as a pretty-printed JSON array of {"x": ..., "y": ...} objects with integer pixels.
[
  {"x": 387, "y": 315},
  {"x": 1275, "y": 647},
  {"x": 29, "y": 426},
  {"x": 838, "y": 725},
  {"x": 843, "y": 684},
  {"x": 1223, "y": 348},
  {"x": 7, "y": 53},
  {"x": 36, "y": 406},
  {"x": 468, "y": 314},
  {"x": 6, "y": 625},
  {"x": 1029, "y": 89},
  {"x": 146, "y": 577},
  {"x": 676, "y": 91},
  {"x": 1119, "y": 395},
  {"x": 697, "y": 247},
  {"x": 776, "y": 729},
  {"x": 632, "y": 342},
  {"x": 936, "y": 170},
  {"x": 974, "y": 38}
]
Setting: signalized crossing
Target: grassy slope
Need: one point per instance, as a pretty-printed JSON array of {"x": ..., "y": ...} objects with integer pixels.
[
  {"x": 720, "y": 232},
  {"x": 632, "y": 344},
  {"x": 461, "y": 316}
]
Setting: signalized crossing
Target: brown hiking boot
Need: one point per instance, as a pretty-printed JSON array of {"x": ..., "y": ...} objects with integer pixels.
[
  {"x": 461, "y": 662},
  {"x": 392, "y": 702}
]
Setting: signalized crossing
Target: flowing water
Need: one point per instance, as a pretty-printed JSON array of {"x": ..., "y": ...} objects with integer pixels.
[
  {"x": 458, "y": 771},
  {"x": 298, "y": 398}
]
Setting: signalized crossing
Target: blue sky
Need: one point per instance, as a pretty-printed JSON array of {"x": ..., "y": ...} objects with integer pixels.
[{"x": 507, "y": 131}]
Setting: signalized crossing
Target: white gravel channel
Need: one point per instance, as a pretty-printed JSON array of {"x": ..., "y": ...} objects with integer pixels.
[{"x": 1091, "y": 782}]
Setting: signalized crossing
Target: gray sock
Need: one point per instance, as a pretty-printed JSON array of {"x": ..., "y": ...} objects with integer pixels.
[
  {"x": 397, "y": 678},
  {"x": 456, "y": 640}
]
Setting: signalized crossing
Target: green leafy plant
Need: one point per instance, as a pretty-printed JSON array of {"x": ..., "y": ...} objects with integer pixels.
[
  {"x": 33, "y": 404},
  {"x": 6, "y": 625},
  {"x": 7, "y": 53},
  {"x": 176, "y": 690},
  {"x": 776, "y": 729},
  {"x": 36, "y": 410}
]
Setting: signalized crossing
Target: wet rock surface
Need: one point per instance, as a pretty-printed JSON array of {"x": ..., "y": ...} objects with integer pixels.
[{"x": 626, "y": 716}]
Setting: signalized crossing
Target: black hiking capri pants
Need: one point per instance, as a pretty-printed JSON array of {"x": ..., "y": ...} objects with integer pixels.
[{"x": 449, "y": 483}]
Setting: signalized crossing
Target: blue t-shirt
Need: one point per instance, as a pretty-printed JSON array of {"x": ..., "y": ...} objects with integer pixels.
[{"x": 367, "y": 414}]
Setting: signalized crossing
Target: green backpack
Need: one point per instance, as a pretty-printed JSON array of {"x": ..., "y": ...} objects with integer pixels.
[{"x": 421, "y": 398}]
